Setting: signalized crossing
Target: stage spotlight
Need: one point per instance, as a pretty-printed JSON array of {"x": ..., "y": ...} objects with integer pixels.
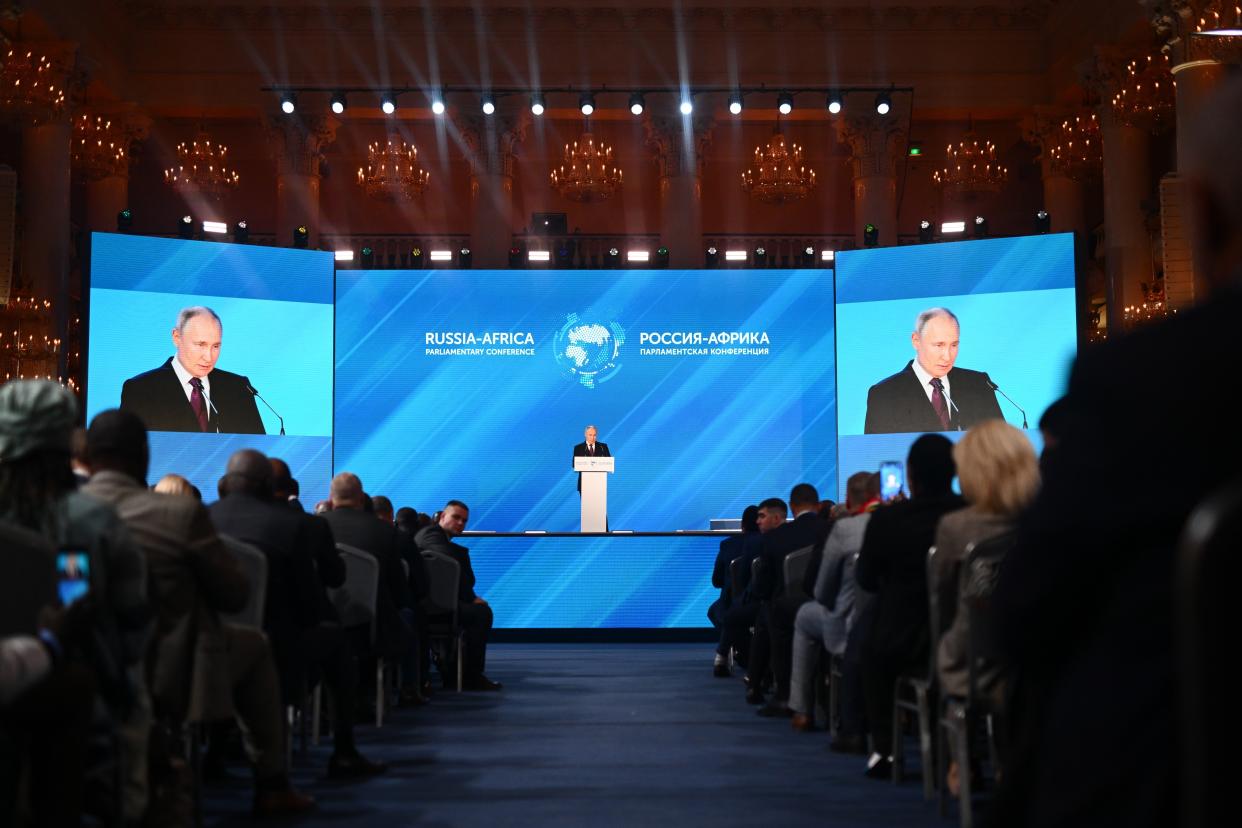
[
  {"x": 368, "y": 258},
  {"x": 828, "y": 257},
  {"x": 437, "y": 103},
  {"x": 638, "y": 256},
  {"x": 735, "y": 103},
  {"x": 637, "y": 104},
  {"x": 871, "y": 234},
  {"x": 241, "y": 232},
  {"x": 926, "y": 231},
  {"x": 883, "y": 103},
  {"x": 288, "y": 102},
  {"x": 338, "y": 103},
  {"x": 808, "y": 256},
  {"x": 185, "y": 227},
  {"x": 586, "y": 103},
  {"x": 661, "y": 259},
  {"x": 1043, "y": 222},
  {"x": 981, "y": 227},
  {"x": 784, "y": 103},
  {"x": 951, "y": 227},
  {"x": 489, "y": 104},
  {"x": 124, "y": 220},
  {"x": 516, "y": 259},
  {"x": 536, "y": 104},
  {"x": 761, "y": 256},
  {"x": 465, "y": 258},
  {"x": 712, "y": 257},
  {"x": 416, "y": 257},
  {"x": 340, "y": 256},
  {"x": 614, "y": 257},
  {"x": 687, "y": 106},
  {"x": 834, "y": 103},
  {"x": 216, "y": 228},
  {"x": 388, "y": 103},
  {"x": 564, "y": 255},
  {"x": 541, "y": 256},
  {"x": 301, "y": 236}
]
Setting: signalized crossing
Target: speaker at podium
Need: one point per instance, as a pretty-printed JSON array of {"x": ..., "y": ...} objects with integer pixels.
[{"x": 593, "y": 473}]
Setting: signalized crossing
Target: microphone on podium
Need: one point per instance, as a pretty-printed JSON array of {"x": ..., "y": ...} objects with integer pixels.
[
  {"x": 996, "y": 388},
  {"x": 252, "y": 390}
]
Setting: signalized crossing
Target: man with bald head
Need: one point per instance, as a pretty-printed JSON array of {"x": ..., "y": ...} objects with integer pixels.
[
  {"x": 931, "y": 393},
  {"x": 188, "y": 392}
]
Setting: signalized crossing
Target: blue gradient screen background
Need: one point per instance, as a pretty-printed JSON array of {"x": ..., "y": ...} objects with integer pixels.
[
  {"x": 694, "y": 437},
  {"x": 1015, "y": 300},
  {"x": 276, "y": 306}
]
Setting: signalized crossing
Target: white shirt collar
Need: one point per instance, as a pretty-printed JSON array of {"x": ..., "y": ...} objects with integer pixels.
[
  {"x": 926, "y": 378},
  {"x": 184, "y": 377}
]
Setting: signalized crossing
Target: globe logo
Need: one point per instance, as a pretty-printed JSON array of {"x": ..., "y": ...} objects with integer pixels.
[{"x": 587, "y": 350}]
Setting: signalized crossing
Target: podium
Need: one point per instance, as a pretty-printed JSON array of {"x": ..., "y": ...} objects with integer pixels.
[{"x": 594, "y": 471}]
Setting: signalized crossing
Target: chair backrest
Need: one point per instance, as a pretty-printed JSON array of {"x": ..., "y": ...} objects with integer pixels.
[
  {"x": 933, "y": 615},
  {"x": 736, "y": 574},
  {"x": 443, "y": 577},
  {"x": 795, "y": 565},
  {"x": 356, "y": 600},
  {"x": 981, "y": 570},
  {"x": 254, "y": 564},
  {"x": 1206, "y": 579}
]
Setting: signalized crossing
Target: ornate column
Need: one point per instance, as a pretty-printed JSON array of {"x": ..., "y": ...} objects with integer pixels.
[
  {"x": 679, "y": 143},
  {"x": 297, "y": 143},
  {"x": 876, "y": 143},
  {"x": 105, "y": 167},
  {"x": 492, "y": 143}
]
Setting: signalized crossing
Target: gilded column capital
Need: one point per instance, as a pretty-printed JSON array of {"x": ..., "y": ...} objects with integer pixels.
[
  {"x": 680, "y": 143},
  {"x": 492, "y": 141},
  {"x": 876, "y": 141},
  {"x": 297, "y": 142}
]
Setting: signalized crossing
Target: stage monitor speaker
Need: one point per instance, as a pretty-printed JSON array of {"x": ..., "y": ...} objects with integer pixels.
[{"x": 549, "y": 224}]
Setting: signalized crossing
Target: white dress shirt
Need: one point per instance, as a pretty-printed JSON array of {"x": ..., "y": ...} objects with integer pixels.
[
  {"x": 926, "y": 378},
  {"x": 185, "y": 376}
]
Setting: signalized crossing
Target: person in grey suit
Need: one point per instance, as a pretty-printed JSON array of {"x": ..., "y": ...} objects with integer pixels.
[{"x": 825, "y": 622}]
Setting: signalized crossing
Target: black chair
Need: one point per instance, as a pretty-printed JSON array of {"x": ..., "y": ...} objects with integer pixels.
[
  {"x": 961, "y": 718},
  {"x": 1206, "y": 579},
  {"x": 444, "y": 576},
  {"x": 795, "y": 566},
  {"x": 916, "y": 694}
]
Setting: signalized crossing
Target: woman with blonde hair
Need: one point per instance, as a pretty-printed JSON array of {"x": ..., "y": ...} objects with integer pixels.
[{"x": 999, "y": 476}]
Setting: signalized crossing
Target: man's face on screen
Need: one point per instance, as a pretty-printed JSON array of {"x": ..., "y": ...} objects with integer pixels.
[
  {"x": 198, "y": 345},
  {"x": 937, "y": 345},
  {"x": 769, "y": 519},
  {"x": 453, "y": 521},
  {"x": 590, "y": 435}
]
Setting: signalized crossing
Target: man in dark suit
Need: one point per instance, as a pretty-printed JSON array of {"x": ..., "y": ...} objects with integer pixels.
[
  {"x": 1086, "y": 599},
  {"x": 188, "y": 392},
  {"x": 731, "y": 548},
  {"x": 893, "y": 564},
  {"x": 590, "y": 448},
  {"x": 781, "y": 600},
  {"x": 930, "y": 393},
  {"x": 473, "y": 613}
]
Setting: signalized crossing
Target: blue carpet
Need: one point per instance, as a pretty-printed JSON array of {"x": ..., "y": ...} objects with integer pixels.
[{"x": 598, "y": 735}]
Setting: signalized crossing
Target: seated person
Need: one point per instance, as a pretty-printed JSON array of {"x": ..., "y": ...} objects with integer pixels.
[
  {"x": 731, "y": 548},
  {"x": 473, "y": 613},
  {"x": 1000, "y": 476},
  {"x": 743, "y": 613},
  {"x": 825, "y": 622}
]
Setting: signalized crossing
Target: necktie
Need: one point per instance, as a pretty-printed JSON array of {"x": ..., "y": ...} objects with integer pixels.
[
  {"x": 591, "y": 449},
  {"x": 199, "y": 403},
  {"x": 938, "y": 402}
]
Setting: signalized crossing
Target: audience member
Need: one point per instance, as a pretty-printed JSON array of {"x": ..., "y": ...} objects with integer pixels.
[
  {"x": 1087, "y": 596},
  {"x": 200, "y": 669},
  {"x": 38, "y": 491},
  {"x": 284, "y": 487},
  {"x": 999, "y": 476},
  {"x": 731, "y": 548},
  {"x": 407, "y": 521},
  {"x": 740, "y": 621},
  {"x": 323, "y": 506},
  {"x": 381, "y": 507},
  {"x": 893, "y": 564},
  {"x": 825, "y": 622},
  {"x": 781, "y": 600},
  {"x": 175, "y": 484},
  {"x": 473, "y": 613},
  {"x": 77, "y": 455}
]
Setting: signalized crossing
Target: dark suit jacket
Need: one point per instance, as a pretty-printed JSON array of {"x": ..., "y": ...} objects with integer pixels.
[
  {"x": 157, "y": 398},
  {"x": 356, "y": 528},
  {"x": 1087, "y": 596},
  {"x": 580, "y": 450},
  {"x": 731, "y": 547},
  {"x": 807, "y": 530},
  {"x": 294, "y": 590},
  {"x": 899, "y": 403},
  {"x": 893, "y": 563},
  {"x": 433, "y": 539}
]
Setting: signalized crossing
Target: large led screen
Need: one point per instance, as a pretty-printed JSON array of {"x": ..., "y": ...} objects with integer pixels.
[
  {"x": 999, "y": 319},
  {"x": 712, "y": 390},
  {"x": 242, "y": 320}
]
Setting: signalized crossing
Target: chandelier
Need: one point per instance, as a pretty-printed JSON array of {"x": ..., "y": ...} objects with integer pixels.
[
  {"x": 1145, "y": 94},
  {"x": 971, "y": 167},
  {"x": 31, "y": 84},
  {"x": 779, "y": 175},
  {"x": 586, "y": 173},
  {"x": 1075, "y": 149},
  {"x": 99, "y": 149},
  {"x": 392, "y": 171},
  {"x": 201, "y": 167}
]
